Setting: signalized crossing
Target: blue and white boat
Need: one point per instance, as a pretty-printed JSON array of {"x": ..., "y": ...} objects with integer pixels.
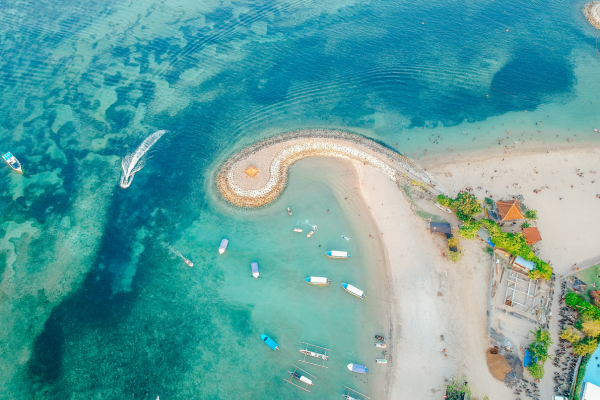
[
  {"x": 12, "y": 162},
  {"x": 338, "y": 254},
  {"x": 359, "y": 369},
  {"x": 354, "y": 291},
  {"x": 317, "y": 280},
  {"x": 269, "y": 342},
  {"x": 255, "y": 269}
]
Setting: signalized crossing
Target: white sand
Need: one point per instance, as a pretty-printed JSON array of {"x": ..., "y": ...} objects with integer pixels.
[{"x": 421, "y": 315}]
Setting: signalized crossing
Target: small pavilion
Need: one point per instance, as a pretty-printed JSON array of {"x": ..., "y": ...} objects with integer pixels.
[
  {"x": 251, "y": 171},
  {"x": 508, "y": 211},
  {"x": 532, "y": 235}
]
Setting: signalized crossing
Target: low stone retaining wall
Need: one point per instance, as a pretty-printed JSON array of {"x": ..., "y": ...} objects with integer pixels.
[{"x": 313, "y": 143}]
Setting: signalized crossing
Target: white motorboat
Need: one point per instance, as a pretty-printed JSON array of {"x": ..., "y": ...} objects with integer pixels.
[
  {"x": 298, "y": 230},
  {"x": 289, "y": 210},
  {"x": 12, "y": 162},
  {"x": 223, "y": 245},
  {"x": 338, "y": 254},
  {"x": 312, "y": 232},
  {"x": 380, "y": 345}
]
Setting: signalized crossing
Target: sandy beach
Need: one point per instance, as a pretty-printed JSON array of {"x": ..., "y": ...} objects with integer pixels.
[{"x": 433, "y": 296}]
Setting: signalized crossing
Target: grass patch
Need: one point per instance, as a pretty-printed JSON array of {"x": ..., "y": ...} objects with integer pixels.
[{"x": 590, "y": 276}]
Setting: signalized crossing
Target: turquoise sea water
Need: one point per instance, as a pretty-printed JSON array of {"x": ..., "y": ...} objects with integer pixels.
[{"x": 92, "y": 304}]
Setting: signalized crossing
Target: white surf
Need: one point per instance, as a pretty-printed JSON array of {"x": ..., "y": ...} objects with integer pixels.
[{"x": 134, "y": 162}]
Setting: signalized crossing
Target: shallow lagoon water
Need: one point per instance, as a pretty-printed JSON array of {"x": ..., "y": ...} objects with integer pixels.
[{"x": 94, "y": 306}]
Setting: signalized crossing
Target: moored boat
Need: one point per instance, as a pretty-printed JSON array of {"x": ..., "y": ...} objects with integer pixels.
[
  {"x": 320, "y": 356},
  {"x": 297, "y": 230},
  {"x": 317, "y": 280},
  {"x": 338, "y": 254},
  {"x": 301, "y": 378},
  {"x": 12, "y": 162},
  {"x": 255, "y": 269},
  {"x": 223, "y": 245},
  {"x": 380, "y": 345},
  {"x": 269, "y": 342},
  {"x": 379, "y": 337},
  {"x": 381, "y": 361},
  {"x": 354, "y": 290},
  {"x": 289, "y": 211},
  {"x": 359, "y": 369}
]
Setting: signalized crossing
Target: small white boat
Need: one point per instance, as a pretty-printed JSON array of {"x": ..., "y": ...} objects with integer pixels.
[
  {"x": 337, "y": 254},
  {"x": 320, "y": 356},
  {"x": 255, "y": 269},
  {"x": 289, "y": 211},
  {"x": 441, "y": 207},
  {"x": 311, "y": 232},
  {"x": 12, "y": 162},
  {"x": 359, "y": 369},
  {"x": 381, "y": 361},
  {"x": 188, "y": 262},
  {"x": 317, "y": 280},
  {"x": 223, "y": 245},
  {"x": 298, "y": 230},
  {"x": 354, "y": 291},
  {"x": 380, "y": 345}
]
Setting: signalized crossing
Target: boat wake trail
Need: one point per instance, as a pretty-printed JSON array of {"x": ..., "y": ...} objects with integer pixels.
[
  {"x": 346, "y": 238},
  {"x": 134, "y": 162},
  {"x": 178, "y": 254}
]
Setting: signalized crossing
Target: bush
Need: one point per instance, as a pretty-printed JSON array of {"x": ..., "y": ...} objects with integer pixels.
[
  {"x": 489, "y": 201},
  {"x": 590, "y": 326},
  {"x": 531, "y": 214},
  {"x": 570, "y": 334},
  {"x": 443, "y": 200},
  {"x": 469, "y": 229},
  {"x": 536, "y": 370},
  {"x": 595, "y": 296},
  {"x": 585, "y": 346},
  {"x": 539, "y": 350},
  {"x": 453, "y": 242},
  {"x": 454, "y": 256},
  {"x": 466, "y": 205},
  {"x": 584, "y": 308},
  {"x": 525, "y": 225}
]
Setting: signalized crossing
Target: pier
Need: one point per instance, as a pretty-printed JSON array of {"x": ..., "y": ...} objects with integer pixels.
[{"x": 270, "y": 159}]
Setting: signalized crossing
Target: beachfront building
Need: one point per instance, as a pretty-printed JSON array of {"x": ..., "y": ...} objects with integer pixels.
[
  {"x": 507, "y": 212},
  {"x": 440, "y": 227},
  {"x": 522, "y": 265},
  {"x": 532, "y": 235},
  {"x": 589, "y": 391}
]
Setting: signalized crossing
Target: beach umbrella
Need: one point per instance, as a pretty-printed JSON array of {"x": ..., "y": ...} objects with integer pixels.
[{"x": 251, "y": 171}]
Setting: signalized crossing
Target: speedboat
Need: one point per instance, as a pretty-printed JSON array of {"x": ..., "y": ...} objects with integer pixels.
[
  {"x": 359, "y": 369},
  {"x": 354, "y": 291},
  {"x": 337, "y": 254},
  {"x": 269, "y": 342},
  {"x": 12, "y": 162},
  {"x": 381, "y": 361},
  {"x": 380, "y": 345},
  {"x": 223, "y": 245},
  {"x": 317, "y": 280},
  {"x": 320, "y": 356},
  {"x": 311, "y": 232},
  {"x": 290, "y": 212},
  {"x": 188, "y": 262},
  {"x": 301, "y": 378},
  {"x": 298, "y": 230},
  {"x": 255, "y": 269}
]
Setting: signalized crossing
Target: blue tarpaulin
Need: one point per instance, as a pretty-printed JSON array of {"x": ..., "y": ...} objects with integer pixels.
[
  {"x": 528, "y": 359},
  {"x": 489, "y": 241}
]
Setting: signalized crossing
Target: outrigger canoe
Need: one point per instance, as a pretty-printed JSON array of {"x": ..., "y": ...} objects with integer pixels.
[
  {"x": 317, "y": 280},
  {"x": 269, "y": 342},
  {"x": 359, "y": 369},
  {"x": 338, "y": 254}
]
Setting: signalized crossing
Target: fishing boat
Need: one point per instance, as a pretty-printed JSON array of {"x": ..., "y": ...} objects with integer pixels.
[
  {"x": 379, "y": 337},
  {"x": 269, "y": 342},
  {"x": 300, "y": 377},
  {"x": 354, "y": 290},
  {"x": 255, "y": 269},
  {"x": 320, "y": 356},
  {"x": 381, "y": 361},
  {"x": 352, "y": 391},
  {"x": 311, "y": 232},
  {"x": 298, "y": 230},
  {"x": 337, "y": 254},
  {"x": 223, "y": 245},
  {"x": 12, "y": 162},
  {"x": 289, "y": 211},
  {"x": 359, "y": 369},
  {"x": 317, "y": 280},
  {"x": 380, "y": 345}
]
